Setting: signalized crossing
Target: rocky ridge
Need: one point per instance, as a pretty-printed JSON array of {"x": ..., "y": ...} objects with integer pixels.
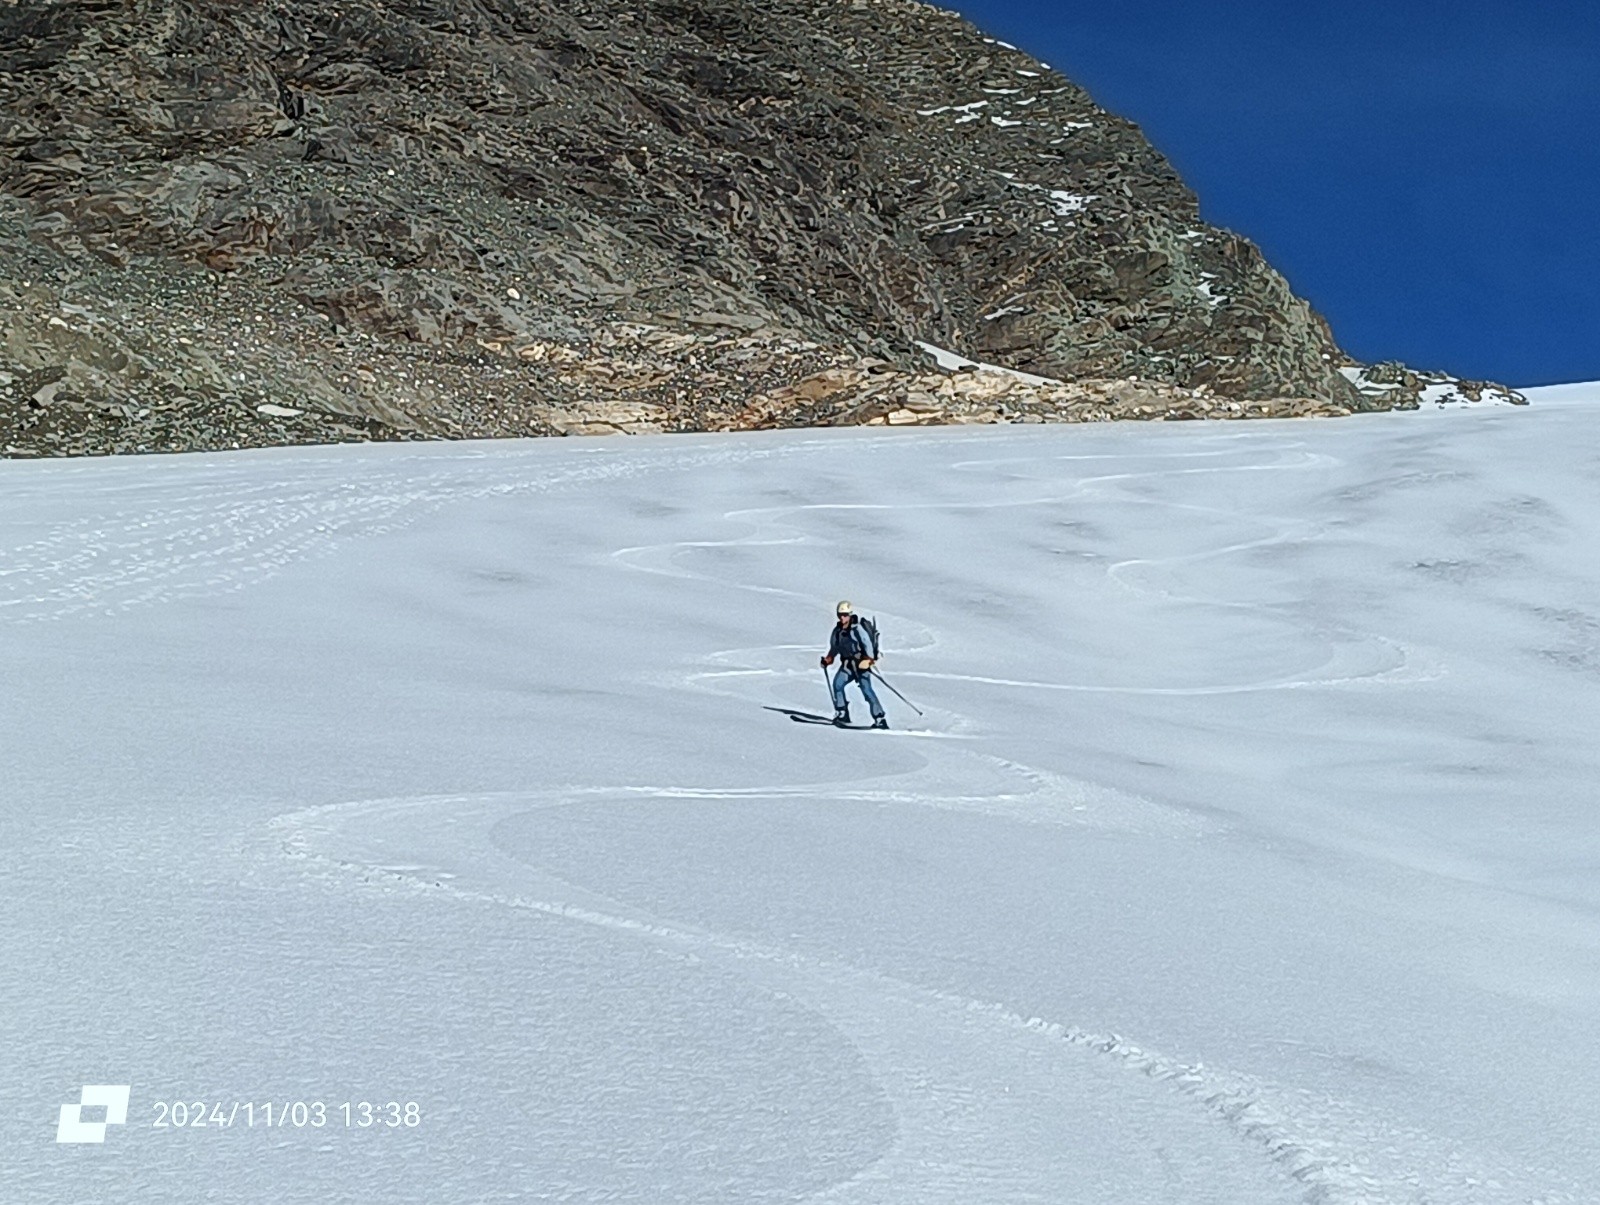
[{"x": 230, "y": 224}]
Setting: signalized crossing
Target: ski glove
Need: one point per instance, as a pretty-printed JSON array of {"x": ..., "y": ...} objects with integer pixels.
[
  {"x": 864, "y": 664},
  {"x": 826, "y": 661}
]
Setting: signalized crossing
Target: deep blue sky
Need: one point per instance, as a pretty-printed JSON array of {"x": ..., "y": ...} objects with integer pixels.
[{"x": 1426, "y": 174}]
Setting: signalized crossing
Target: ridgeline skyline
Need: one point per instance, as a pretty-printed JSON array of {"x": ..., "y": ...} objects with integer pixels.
[{"x": 1423, "y": 174}]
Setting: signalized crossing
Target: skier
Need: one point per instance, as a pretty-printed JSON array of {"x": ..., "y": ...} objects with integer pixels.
[{"x": 853, "y": 644}]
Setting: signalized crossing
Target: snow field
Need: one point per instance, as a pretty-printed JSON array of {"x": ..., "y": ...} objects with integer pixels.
[{"x": 1244, "y": 853}]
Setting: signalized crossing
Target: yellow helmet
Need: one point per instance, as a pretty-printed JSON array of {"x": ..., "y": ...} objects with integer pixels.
[{"x": 844, "y": 608}]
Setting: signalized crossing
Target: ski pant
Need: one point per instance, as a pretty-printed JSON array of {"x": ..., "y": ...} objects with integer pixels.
[{"x": 843, "y": 677}]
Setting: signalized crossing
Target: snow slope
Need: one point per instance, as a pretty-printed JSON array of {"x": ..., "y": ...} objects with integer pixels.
[{"x": 1246, "y": 852}]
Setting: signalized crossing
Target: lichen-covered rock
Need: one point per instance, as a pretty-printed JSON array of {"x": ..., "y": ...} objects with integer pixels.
[{"x": 435, "y": 218}]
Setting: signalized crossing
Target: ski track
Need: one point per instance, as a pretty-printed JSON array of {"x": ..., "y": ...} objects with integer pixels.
[
  {"x": 164, "y": 544},
  {"x": 1380, "y": 659},
  {"x": 1316, "y": 1142}
]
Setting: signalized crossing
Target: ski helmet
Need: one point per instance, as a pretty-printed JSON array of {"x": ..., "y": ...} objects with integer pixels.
[{"x": 844, "y": 608}]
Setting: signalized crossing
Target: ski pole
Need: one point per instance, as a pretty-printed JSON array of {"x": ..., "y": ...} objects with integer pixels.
[{"x": 898, "y": 695}]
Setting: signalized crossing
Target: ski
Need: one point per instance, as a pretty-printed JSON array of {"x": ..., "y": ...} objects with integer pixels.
[
  {"x": 827, "y": 723},
  {"x": 811, "y": 717}
]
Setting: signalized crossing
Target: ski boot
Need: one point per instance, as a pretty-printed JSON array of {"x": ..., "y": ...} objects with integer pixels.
[
  {"x": 841, "y": 717},
  {"x": 881, "y": 721}
]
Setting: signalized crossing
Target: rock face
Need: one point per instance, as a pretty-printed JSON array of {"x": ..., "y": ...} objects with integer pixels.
[{"x": 229, "y": 222}]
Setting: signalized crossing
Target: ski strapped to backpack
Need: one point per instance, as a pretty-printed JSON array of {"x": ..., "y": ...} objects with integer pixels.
[{"x": 870, "y": 627}]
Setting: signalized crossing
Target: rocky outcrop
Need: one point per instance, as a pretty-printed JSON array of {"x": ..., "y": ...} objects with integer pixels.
[
  {"x": 1396, "y": 387},
  {"x": 876, "y": 394},
  {"x": 227, "y": 224}
]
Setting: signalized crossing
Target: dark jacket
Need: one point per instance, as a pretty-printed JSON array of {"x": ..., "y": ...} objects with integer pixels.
[{"x": 851, "y": 644}]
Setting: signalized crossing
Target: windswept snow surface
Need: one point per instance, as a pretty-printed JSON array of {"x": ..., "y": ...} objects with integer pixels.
[{"x": 1246, "y": 853}]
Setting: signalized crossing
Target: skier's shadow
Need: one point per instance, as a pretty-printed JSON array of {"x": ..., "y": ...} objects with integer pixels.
[{"x": 811, "y": 716}]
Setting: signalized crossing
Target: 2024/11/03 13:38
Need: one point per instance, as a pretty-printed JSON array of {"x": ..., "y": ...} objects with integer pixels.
[{"x": 300, "y": 1114}]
